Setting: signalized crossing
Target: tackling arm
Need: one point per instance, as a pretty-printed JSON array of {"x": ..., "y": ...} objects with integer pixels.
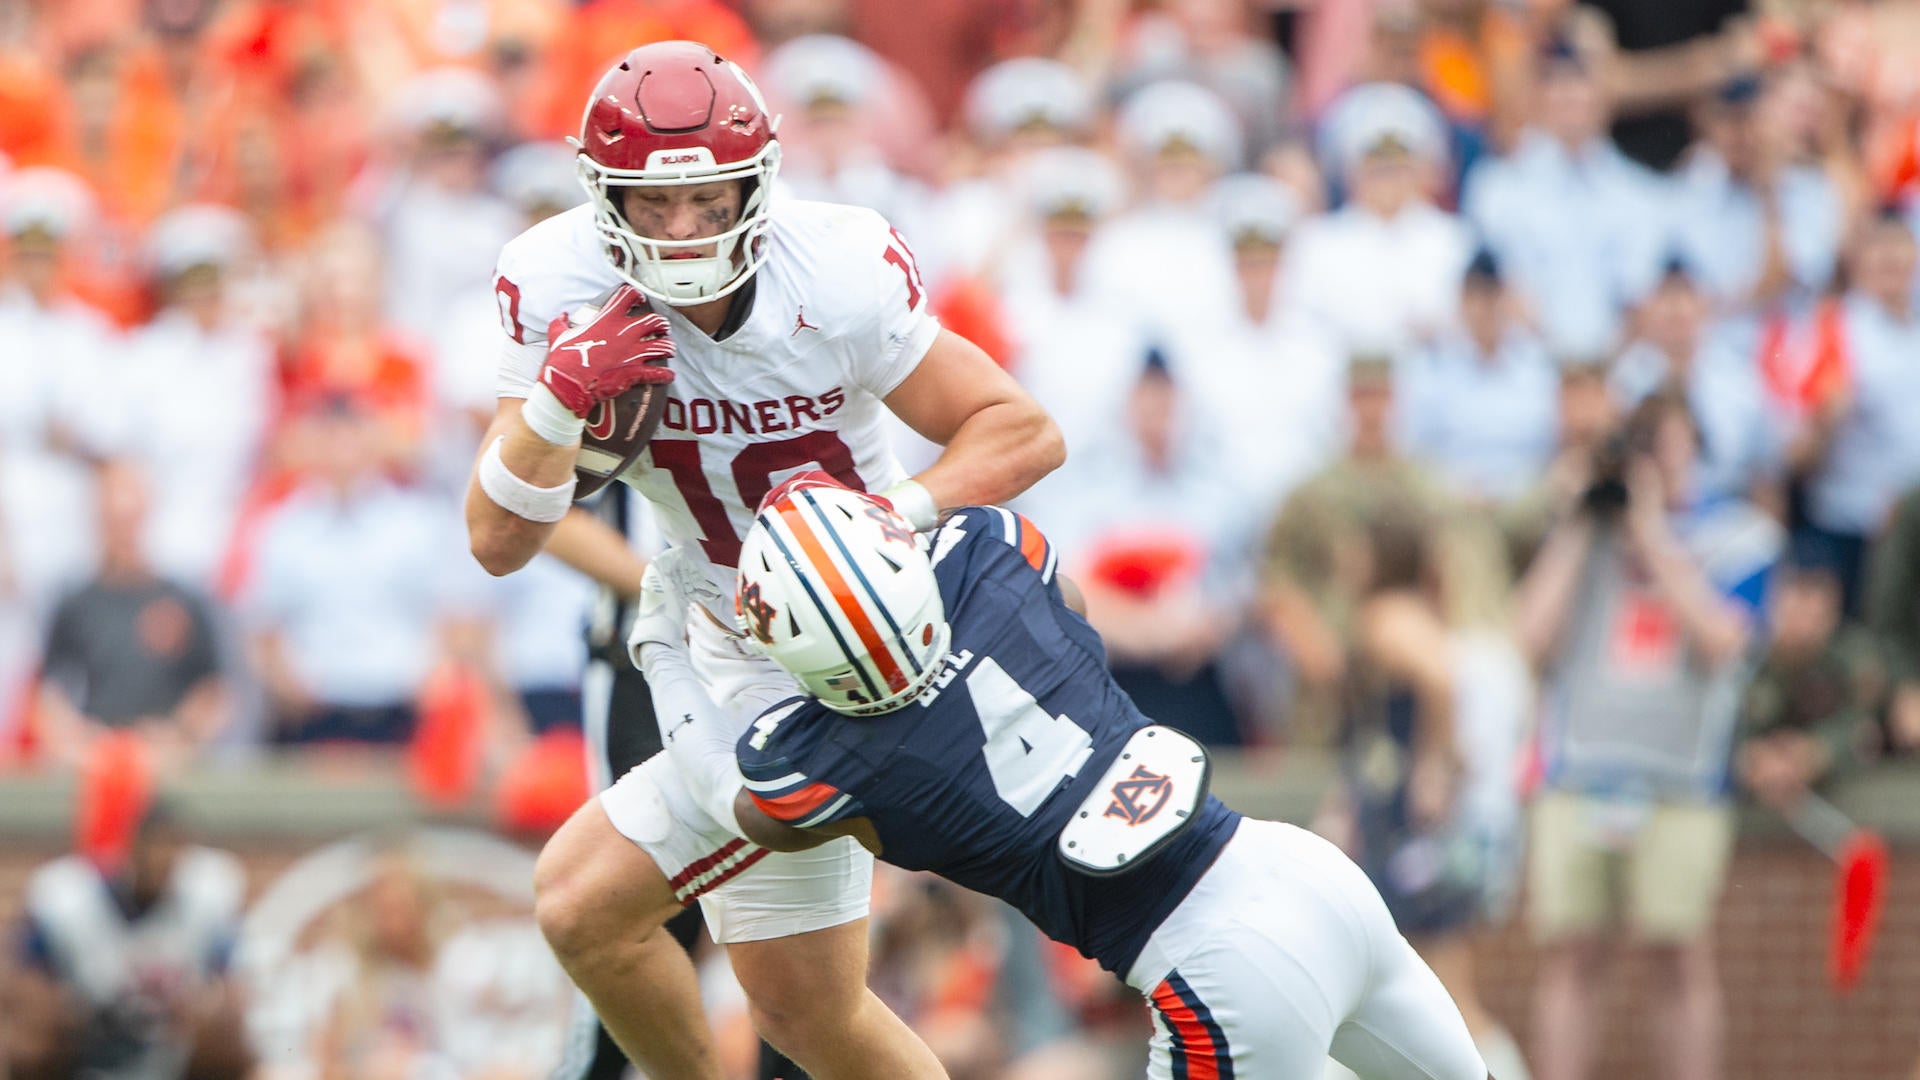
[
  {"x": 701, "y": 744},
  {"x": 756, "y": 826}
]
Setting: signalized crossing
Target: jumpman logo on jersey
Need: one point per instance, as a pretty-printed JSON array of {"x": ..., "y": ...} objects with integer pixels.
[
  {"x": 1140, "y": 796},
  {"x": 800, "y": 323}
]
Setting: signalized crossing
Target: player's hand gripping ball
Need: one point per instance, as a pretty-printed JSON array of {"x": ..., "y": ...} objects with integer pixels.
[{"x": 607, "y": 363}]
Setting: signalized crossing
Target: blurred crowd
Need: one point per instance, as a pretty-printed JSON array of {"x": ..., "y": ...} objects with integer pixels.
[{"x": 1510, "y": 396}]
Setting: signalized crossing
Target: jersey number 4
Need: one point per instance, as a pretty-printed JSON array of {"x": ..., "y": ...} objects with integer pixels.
[{"x": 1028, "y": 752}]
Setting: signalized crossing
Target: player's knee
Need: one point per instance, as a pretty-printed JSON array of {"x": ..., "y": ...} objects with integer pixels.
[
  {"x": 791, "y": 1007},
  {"x": 560, "y": 907},
  {"x": 794, "y": 1024},
  {"x": 570, "y": 908}
]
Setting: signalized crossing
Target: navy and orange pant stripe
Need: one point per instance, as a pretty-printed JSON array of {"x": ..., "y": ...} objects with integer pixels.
[{"x": 1199, "y": 1047}]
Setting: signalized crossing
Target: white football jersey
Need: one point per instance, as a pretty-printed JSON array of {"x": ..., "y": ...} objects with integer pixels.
[{"x": 839, "y": 319}]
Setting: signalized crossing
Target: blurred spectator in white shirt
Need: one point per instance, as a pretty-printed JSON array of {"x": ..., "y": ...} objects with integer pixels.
[
  {"x": 540, "y": 614},
  {"x": 1383, "y": 271},
  {"x": 1861, "y": 447},
  {"x": 440, "y": 225},
  {"x": 1761, "y": 229},
  {"x": 1741, "y": 433},
  {"x": 538, "y": 179},
  {"x": 196, "y": 393},
  {"x": 839, "y": 126},
  {"x": 1166, "y": 255},
  {"x": 1013, "y": 110},
  {"x": 360, "y": 589},
  {"x": 1213, "y": 43},
  {"x": 1154, "y": 530},
  {"x": 1268, "y": 370},
  {"x": 1077, "y": 349},
  {"x": 58, "y": 375},
  {"x": 1579, "y": 227},
  {"x": 1480, "y": 402}
]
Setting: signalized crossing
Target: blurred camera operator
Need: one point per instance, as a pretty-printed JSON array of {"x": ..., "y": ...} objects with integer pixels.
[{"x": 1639, "y": 611}]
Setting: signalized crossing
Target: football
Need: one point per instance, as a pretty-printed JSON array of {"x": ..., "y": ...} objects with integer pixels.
[{"x": 617, "y": 430}]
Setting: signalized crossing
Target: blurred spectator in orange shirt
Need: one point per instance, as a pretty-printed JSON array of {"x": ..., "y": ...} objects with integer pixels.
[
  {"x": 598, "y": 31},
  {"x": 507, "y": 39},
  {"x": 298, "y": 133},
  {"x": 343, "y": 346},
  {"x": 1476, "y": 59}
]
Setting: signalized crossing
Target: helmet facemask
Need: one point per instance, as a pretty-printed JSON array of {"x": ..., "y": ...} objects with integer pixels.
[{"x": 647, "y": 261}]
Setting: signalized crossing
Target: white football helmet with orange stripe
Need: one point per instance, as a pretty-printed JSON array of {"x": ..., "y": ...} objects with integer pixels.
[{"x": 835, "y": 588}]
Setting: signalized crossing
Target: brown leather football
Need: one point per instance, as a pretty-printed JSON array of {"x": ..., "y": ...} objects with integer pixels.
[{"x": 618, "y": 430}]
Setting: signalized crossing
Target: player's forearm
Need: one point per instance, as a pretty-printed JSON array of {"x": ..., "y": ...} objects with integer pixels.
[
  {"x": 502, "y": 539},
  {"x": 597, "y": 549},
  {"x": 997, "y": 453}
]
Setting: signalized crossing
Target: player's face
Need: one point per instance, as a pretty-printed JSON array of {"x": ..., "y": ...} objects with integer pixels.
[{"x": 683, "y": 212}]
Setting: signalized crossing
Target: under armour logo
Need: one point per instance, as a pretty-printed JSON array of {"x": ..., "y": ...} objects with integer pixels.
[
  {"x": 684, "y": 721},
  {"x": 583, "y": 346},
  {"x": 1140, "y": 796},
  {"x": 800, "y": 322}
]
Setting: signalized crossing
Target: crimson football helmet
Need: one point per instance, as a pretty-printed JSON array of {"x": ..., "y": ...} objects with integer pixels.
[{"x": 668, "y": 114}]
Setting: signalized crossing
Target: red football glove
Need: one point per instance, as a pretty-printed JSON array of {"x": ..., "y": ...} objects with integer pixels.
[{"x": 624, "y": 346}]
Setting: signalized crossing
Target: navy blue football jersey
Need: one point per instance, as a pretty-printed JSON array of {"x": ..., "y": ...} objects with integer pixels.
[{"x": 976, "y": 778}]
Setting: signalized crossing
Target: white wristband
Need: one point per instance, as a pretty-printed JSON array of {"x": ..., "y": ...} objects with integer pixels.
[
  {"x": 514, "y": 495},
  {"x": 549, "y": 419},
  {"x": 915, "y": 503}
]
